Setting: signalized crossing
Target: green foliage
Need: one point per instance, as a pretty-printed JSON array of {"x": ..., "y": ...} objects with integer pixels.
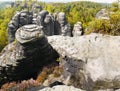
[
  {"x": 115, "y": 23},
  {"x": 111, "y": 27},
  {"x": 5, "y": 16},
  {"x": 99, "y": 26},
  {"x": 115, "y": 6},
  {"x": 76, "y": 11}
]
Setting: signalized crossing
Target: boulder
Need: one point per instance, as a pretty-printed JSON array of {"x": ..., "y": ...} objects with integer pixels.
[
  {"x": 24, "y": 58},
  {"x": 89, "y": 61},
  {"x": 103, "y": 14}
]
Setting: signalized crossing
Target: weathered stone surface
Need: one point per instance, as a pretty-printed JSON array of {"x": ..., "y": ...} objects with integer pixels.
[
  {"x": 46, "y": 20},
  {"x": 12, "y": 27},
  {"x": 78, "y": 29},
  {"x": 19, "y": 19},
  {"x": 36, "y": 8},
  {"x": 24, "y": 58},
  {"x": 90, "y": 61},
  {"x": 103, "y": 14},
  {"x": 61, "y": 88},
  {"x": 28, "y": 33},
  {"x": 41, "y": 17},
  {"x": 62, "y": 27},
  {"x": 49, "y": 25}
]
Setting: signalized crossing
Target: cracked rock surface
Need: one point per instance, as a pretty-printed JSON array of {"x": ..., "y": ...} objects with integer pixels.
[{"x": 90, "y": 61}]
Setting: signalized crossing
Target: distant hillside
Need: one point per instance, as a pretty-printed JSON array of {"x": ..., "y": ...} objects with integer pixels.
[{"x": 5, "y": 4}]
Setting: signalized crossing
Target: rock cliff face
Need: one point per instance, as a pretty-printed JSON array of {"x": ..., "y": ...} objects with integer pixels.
[
  {"x": 25, "y": 57},
  {"x": 89, "y": 62}
]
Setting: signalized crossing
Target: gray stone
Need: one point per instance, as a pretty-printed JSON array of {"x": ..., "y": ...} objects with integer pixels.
[
  {"x": 46, "y": 20},
  {"x": 28, "y": 33},
  {"x": 49, "y": 25},
  {"x": 34, "y": 20},
  {"x": 35, "y": 10},
  {"x": 62, "y": 27},
  {"x": 12, "y": 27},
  {"x": 61, "y": 88},
  {"x": 90, "y": 61},
  {"x": 103, "y": 14},
  {"x": 78, "y": 29},
  {"x": 41, "y": 16},
  {"x": 25, "y": 18},
  {"x": 24, "y": 58},
  {"x": 18, "y": 20}
]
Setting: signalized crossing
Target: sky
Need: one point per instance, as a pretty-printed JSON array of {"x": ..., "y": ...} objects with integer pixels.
[{"x": 102, "y": 1}]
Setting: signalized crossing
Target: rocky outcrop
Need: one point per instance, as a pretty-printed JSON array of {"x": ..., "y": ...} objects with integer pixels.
[
  {"x": 90, "y": 61},
  {"x": 78, "y": 29},
  {"x": 103, "y": 14},
  {"x": 62, "y": 27},
  {"x": 19, "y": 19},
  {"x": 45, "y": 19},
  {"x": 24, "y": 58}
]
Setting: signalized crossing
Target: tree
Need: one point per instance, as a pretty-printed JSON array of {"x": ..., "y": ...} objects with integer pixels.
[{"x": 99, "y": 26}]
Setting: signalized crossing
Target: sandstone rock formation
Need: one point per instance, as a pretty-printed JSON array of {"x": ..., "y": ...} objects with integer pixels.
[
  {"x": 46, "y": 20},
  {"x": 103, "y": 14},
  {"x": 35, "y": 10},
  {"x": 49, "y": 25},
  {"x": 52, "y": 24},
  {"x": 90, "y": 61},
  {"x": 78, "y": 29},
  {"x": 19, "y": 19},
  {"x": 62, "y": 26},
  {"x": 41, "y": 17},
  {"x": 25, "y": 57}
]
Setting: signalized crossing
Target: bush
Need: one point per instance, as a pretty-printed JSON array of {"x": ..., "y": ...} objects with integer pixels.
[
  {"x": 115, "y": 23},
  {"x": 5, "y": 16},
  {"x": 111, "y": 27},
  {"x": 99, "y": 26}
]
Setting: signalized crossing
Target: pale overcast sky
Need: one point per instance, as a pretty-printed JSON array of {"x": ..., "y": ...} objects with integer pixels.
[{"x": 103, "y": 1}]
